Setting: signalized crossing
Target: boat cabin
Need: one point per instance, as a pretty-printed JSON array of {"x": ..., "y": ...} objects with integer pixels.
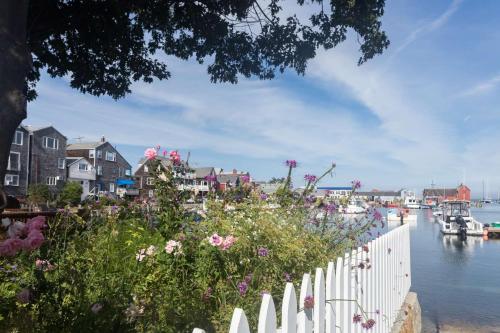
[{"x": 452, "y": 209}]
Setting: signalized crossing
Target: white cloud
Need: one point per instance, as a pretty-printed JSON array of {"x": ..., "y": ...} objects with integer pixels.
[{"x": 482, "y": 87}]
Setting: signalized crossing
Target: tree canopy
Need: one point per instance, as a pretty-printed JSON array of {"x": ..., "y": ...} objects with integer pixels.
[{"x": 103, "y": 46}]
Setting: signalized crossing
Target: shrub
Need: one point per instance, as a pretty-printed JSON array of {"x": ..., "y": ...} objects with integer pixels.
[
  {"x": 39, "y": 194},
  {"x": 71, "y": 193}
]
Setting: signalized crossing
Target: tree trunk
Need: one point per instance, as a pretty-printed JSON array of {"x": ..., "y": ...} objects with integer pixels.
[{"x": 15, "y": 61}]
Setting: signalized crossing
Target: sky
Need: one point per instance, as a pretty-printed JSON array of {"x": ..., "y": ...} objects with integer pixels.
[{"x": 424, "y": 112}]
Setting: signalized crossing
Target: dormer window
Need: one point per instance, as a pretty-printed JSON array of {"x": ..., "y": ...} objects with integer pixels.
[{"x": 18, "y": 138}]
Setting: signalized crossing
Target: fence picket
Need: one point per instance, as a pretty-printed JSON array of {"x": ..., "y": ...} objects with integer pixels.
[
  {"x": 289, "y": 310},
  {"x": 305, "y": 316},
  {"x": 330, "y": 296},
  {"x": 197, "y": 330},
  {"x": 319, "y": 301},
  {"x": 267, "y": 315},
  {"x": 339, "y": 294},
  {"x": 239, "y": 322}
]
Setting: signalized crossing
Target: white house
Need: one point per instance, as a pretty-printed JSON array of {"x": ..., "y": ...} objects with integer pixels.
[{"x": 82, "y": 171}]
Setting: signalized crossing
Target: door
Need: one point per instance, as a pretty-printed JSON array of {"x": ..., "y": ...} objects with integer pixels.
[{"x": 86, "y": 188}]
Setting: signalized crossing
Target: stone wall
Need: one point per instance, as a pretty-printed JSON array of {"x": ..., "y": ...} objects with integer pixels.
[{"x": 410, "y": 316}]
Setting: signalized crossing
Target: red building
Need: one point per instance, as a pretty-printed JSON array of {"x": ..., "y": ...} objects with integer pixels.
[{"x": 437, "y": 195}]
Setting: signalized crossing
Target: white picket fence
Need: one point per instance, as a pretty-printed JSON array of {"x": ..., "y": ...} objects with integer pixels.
[{"x": 379, "y": 291}]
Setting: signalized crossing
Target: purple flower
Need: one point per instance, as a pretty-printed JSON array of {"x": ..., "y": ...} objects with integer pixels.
[
  {"x": 361, "y": 265},
  {"x": 369, "y": 324},
  {"x": 377, "y": 311},
  {"x": 263, "y": 196},
  {"x": 243, "y": 288},
  {"x": 366, "y": 248},
  {"x": 263, "y": 252},
  {"x": 288, "y": 277},
  {"x": 245, "y": 178},
  {"x": 24, "y": 296},
  {"x": 248, "y": 278},
  {"x": 377, "y": 216},
  {"x": 309, "y": 302},
  {"x": 356, "y": 184},
  {"x": 310, "y": 178},
  {"x": 330, "y": 208},
  {"x": 356, "y": 318},
  {"x": 291, "y": 163}
]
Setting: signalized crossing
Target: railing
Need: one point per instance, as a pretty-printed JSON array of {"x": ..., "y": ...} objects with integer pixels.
[{"x": 371, "y": 281}]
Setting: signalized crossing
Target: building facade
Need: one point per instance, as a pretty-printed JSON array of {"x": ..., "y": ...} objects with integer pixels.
[
  {"x": 434, "y": 196},
  {"x": 47, "y": 157},
  {"x": 110, "y": 166},
  {"x": 80, "y": 170},
  {"x": 16, "y": 177}
]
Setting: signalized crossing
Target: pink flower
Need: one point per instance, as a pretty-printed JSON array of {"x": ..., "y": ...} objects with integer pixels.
[
  {"x": 10, "y": 247},
  {"x": 356, "y": 318},
  {"x": 36, "y": 223},
  {"x": 309, "y": 302},
  {"x": 170, "y": 247},
  {"x": 164, "y": 153},
  {"x": 39, "y": 263},
  {"x": 24, "y": 296},
  {"x": 150, "y": 153},
  {"x": 215, "y": 240},
  {"x": 34, "y": 240},
  {"x": 228, "y": 242}
]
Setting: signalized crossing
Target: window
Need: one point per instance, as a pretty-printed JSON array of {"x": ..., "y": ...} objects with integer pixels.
[
  {"x": 111, "y": 187},
  {"x": 11, "y": 180},
  {"x": 146, "y": 169},
  {"x": 151, "y": 193},
  {"x": 128, "y": 172},
  {"x": 14, "y": 163},
  {"x": 99, "y": 154},
  {"x": 51, "y": 181},
  {"x": 150, "y": 181},
  {"x": 110, "y": 156},
  {"x": 83, "y": 167},
  {"x": 61, "y": 163},
  {"x": 18, "y": 138},
  {"x": 99, "y": 170},
  {"x": 50, "y": 143},
  {"x": 91, "y": 153}
]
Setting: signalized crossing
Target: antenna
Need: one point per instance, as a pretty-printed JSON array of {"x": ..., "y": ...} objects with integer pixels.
[
  {"x": 79, "y": 138},
  {"x": 188, "y": 156}
]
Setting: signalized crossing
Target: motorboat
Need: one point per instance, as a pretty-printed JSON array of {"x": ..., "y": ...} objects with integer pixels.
[
  {"x": 355, "y": 207},
  {"x": 457, "y": 220},
  {"x": 411, "y": 202},
  {"x": 394, "y": 215}
]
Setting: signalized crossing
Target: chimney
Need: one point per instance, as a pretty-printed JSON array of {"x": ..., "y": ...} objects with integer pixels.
[{"x": 103, "y": 139}]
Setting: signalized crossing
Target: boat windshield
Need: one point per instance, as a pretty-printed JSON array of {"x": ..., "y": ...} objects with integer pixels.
[{"x": 457, "y": 208}]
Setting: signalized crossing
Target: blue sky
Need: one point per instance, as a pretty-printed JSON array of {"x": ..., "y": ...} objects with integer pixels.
[{"x": 426, "y": 110}]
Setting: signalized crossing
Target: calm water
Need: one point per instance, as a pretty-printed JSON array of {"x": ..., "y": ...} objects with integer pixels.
[{"x": 458, "y": 283}]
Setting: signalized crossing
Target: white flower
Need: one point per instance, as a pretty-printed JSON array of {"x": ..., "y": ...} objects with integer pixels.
[{"x": 151, "y": 250}]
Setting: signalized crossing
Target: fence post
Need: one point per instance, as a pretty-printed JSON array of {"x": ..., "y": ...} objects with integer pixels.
[
  {"x": 289, "y": 310},
  {"x": 330, "y": 295},
  {"x": 319, "y": 301},
  {"x": 239, "y": 322},
  {"x": 304, "y": 318},
  {"x": 267, "y": 315}
]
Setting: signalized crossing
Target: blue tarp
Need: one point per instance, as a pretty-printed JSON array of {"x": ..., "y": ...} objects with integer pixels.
[{"x": 125, "y": 182}]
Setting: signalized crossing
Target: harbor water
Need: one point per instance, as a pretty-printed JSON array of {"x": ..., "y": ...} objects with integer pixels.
[{"x": 457, "y": 282}]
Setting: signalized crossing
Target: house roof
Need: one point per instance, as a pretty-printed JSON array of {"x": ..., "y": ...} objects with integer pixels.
[
  {"x": 203, "y": 172},
  {"x": 226, "y": 178},
  {"x": 438, "y": 192},
  {"x": 84, "y": 145},
  {"x": 165, "y": 162},
  {"x": 379, "y": 194},
  {"x": 32, "y": 129},
  {"x": 335, "y": 188}
]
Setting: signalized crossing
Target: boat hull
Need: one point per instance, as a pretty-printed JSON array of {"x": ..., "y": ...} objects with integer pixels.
[{"x": 474, "y": 228}]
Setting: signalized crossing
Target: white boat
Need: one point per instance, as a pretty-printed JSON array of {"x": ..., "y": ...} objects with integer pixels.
[
  {"x": 457, "y": 219},
  {"x": 411, "y": 202},
  {"x": 355, "y": 207},
  {"x": 394, "y": 215}
]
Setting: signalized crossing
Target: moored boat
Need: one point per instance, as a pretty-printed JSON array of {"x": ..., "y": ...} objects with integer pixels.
[
  {"x": 457, "y": 219},
  {"x": 394, "y": 215}
]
